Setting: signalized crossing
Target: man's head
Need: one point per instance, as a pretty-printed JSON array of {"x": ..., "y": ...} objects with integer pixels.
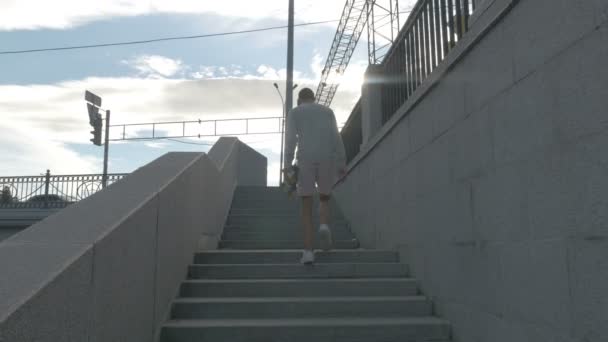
[{"x": 306, "y": 95}]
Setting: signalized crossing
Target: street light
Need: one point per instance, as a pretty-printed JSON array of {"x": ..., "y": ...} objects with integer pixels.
[{"x": 276, "y": 86}]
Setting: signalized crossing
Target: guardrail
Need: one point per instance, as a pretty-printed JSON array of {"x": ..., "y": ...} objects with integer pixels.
[
  {"x": 50, "y": 191},
  {"x": 430, "y": 33},
  {"x": 432, "y": 30},
  {"x": 141, "y": 231}
]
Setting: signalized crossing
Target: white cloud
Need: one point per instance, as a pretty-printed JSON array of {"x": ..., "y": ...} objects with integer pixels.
[
  {"x": 156, "y": 66},
  {"x": 317, "y": 65},
  {"x": 218, "y": 72},
  {"x": 350, "y": 81},
  {"x": 62, "y": 14},
  {"x": 54, "y": 116},
  {"x": 205, "y": 72},
  {"x": 29, "y": 151},
  {"x": 267, "y": 71},
  {"x": 158, "y": 145}
]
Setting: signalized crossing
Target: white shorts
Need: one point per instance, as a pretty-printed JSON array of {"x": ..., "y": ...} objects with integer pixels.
[{"x": 322, "y": 174}]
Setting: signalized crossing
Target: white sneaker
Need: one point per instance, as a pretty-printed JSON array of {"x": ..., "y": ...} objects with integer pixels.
[
  {"x": 308, "y": 257},
  {"x": 325, "y": 237}
]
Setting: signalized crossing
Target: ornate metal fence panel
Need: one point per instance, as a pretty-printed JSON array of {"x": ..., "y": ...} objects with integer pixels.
[{"x": 48, "y": 191}]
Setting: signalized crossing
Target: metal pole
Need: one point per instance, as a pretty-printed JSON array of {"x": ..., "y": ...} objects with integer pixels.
[
  {"x": 281, "y": 130},
  {"x": 104, "y": 180},
  {"x": 289, "y": 86}
]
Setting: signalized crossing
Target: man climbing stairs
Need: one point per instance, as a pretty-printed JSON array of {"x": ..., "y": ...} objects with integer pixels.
[{"x": 254, "y": 289}]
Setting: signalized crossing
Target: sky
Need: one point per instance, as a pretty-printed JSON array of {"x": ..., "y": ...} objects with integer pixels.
[{"x": 44, "y": 122}]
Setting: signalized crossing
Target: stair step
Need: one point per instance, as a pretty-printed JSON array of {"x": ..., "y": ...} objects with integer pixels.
[
  {"x": 253, "y": 204},
  {"x": 264, "y": 212},
  {"x": 253, "y": 289},
  {"x": 282, "y": 244},
  {"x": 273, "y": 204},
  {"x": 300, "y": 330},
  {"x": 273, "y": 220},
  {"x": 279, "y": 235},
  {"x": 282, "y": 226},
  {"x": 299, "y": 287},
  {"x": 295, "y": 307},
  {"x": 263, "y": 188},
  {"x": 273, "y": 198},
  {"x": 282, "y": 271},
  {"x": 283, "y": 196},
  {"x": 276, "y": 196},
  {"x": 276, "y": 207},
  {"x": 284, "y": 214},
  {"x": 271, "y": 195},
  {"x": 293, "y": 256}
]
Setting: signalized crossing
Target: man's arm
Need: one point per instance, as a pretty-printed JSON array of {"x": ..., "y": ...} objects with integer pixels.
[{"x": 290, "y": 139}]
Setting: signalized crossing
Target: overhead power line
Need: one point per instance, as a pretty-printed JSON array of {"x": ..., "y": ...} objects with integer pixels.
[
  {"x": 197, "y": 143},
  {"x": 190, "y": 142},
  {"x": 177, "y": 141},
  {"x": 158, "y": 40},
  {"x": 166, "y": 39}
]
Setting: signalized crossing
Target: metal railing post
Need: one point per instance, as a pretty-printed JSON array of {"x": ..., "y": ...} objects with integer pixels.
[
  {"x": 47, "y": 184},
  {"x": 104, "y": 180}
]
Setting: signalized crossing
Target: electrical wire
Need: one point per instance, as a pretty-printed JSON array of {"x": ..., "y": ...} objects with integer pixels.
[
  {"x": 165, "y": 139},
  {"x": 189, "y": 143},
  {"x": 199, "y": 144},
  {"x": 158, "y": 40}
]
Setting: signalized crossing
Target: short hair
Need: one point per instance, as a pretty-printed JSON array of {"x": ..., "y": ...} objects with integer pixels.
[{"x": 306, "y": 94}]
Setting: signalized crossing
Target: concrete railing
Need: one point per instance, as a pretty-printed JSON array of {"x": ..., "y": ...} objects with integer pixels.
[
  {"x": 12, "y": 221},
  {"x": 107, "y": 268},
  {"x": 491, "y": 180}
]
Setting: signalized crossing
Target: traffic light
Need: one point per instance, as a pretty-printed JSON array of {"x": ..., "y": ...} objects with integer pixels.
[
  {"x": 93, "y": 113},
  {"x": 96, "y": 122},
  {"x": 97, "y": 128}
]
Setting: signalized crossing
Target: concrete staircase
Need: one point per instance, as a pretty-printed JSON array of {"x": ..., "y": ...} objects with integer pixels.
[{"x": 253, "y": 289}]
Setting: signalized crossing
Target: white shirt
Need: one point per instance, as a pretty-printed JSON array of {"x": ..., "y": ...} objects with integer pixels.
[{"x": 313, "y": 127}]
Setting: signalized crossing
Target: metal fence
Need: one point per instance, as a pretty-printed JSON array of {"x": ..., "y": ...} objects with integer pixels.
[
  {"x": 432, "y": 30},
  {"x": 430, "y": 33},
  {"x": 50, "y": 191}
]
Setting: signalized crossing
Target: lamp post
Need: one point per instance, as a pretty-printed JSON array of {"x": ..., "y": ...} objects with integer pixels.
[
  {"x": 276, "y": 86},
  {"x": 289, "y": 86}
]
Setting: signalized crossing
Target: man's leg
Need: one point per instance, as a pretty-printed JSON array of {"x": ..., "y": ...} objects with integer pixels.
[
  {"x": 324, "y": 231},
  {"x": 307, "y": 222},
  {"x": 325, "y": 181},
  {"x": 324, "y": 212},
  {"x": 306, "y": 187}
]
